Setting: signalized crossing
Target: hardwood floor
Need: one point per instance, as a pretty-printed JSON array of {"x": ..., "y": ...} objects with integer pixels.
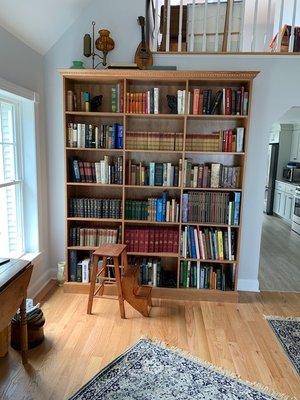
[
  {"x": 279, "y": 256},
  {"x": 77, "y": 345}
]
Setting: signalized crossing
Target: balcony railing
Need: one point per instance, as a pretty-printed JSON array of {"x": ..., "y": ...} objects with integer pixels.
[{"x": 220, "y": 26}]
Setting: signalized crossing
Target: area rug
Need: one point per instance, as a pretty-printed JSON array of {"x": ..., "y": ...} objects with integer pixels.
[
  {"x": 287, "y": 331},
  {"x": 151, "y": 371}
]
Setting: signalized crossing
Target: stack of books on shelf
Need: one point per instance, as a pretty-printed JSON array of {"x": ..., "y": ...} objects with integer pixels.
[
  {"x": 150, "y": 270},
  {"x": 93, "y": 237},
  {"x": 154, "y": 174},
  {"x": 154, "y": 141},
  {"x": 151, "y": 240},
  {"x": 107, "y": 171},
  {"x": 80, "y": 271},
  {"x": 95, "y": 208},
  {"x": 230, "y": 140},
  {"x": 226, "y": 101},
  {"x": 95, "y": 137},
  {"x": 208, "y": 243},
  {"x": 146, "y": 102},
  {"x": 117, "y": 98},
  {"x": 182, "y": 98},
  {"x": 211, "y": 207},
  {"x": 196, "y": 275},
  {"x": 160, "y": 209},
  {"x": 210, "y": 175}
]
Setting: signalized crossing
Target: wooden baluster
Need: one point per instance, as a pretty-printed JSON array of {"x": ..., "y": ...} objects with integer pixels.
[
  {"x": 217, "y": 27},
  {"x": 241, "y": 45},
  {"x": 279, "y": 38},
  {"x": 267, "y": 33},
  {"x": 168, "y": 25},
  {"x": 204, "y": 27},
  {"x": 292, "y": 38},
  {"x": 228, "y": 49},
  {"x": 254, "y": 26},
  {"x": 192, "y": 38},
  {"x": 156, "y": 27},
  {"x": 179, "y": 44}
]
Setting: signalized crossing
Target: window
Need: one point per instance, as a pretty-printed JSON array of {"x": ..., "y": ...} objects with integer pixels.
[{"x": 11, "y": 183}]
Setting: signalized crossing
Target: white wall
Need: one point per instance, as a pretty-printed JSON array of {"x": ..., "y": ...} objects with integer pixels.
[
  {"x": 21, "y": 65},
  {"x": 276, "y": 89}
]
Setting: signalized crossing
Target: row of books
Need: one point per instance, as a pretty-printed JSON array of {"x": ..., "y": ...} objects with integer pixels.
[
  {"x": 226, "y": 101},
  {"x": 211, "y": 175},
  {"x": 104, "y": 136},
  {"x": 230, "y": 140},
  {"x": 208, "y": 243},
  {"x": 95, "y": 208},
  {"x": 211, "y": 207},
  {"x": 109, "y": 170},
  {"x": 160, "y": 209},
  {"x": 196, "y": 275},
  {"x": 154, "y": 174},
  {"x": 80, "y": 269},
  {"x": 117, "y": 98},
  {"x": 154, "y": 141},
  {"x": 93, "y": 237},
  {"x": 150, "y": 271},
  {"x": 146, "y": 102},
  {"x": 152, "y": 240}
]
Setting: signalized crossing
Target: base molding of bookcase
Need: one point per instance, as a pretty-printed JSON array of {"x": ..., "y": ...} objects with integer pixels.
[{"x": 162, "y": 293}]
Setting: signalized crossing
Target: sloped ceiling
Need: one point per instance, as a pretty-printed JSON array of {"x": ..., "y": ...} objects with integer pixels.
[{"x": 39, "y": 23}]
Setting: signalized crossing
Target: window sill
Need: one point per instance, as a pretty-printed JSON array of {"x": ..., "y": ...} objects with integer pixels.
[{"x": 34, "y": 258}]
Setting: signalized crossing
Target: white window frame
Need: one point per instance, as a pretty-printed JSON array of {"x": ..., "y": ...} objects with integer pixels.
[{"x": 19, "y": 182}]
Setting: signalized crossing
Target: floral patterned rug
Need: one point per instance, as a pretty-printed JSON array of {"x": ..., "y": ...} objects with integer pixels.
[
  {"x": 287, "y": 331},
  {"x": 151, "y": 371}
]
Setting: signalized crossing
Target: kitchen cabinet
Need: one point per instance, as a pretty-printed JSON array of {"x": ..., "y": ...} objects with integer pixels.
[
  {"x": 295, "y": 146},
  {"x": 284, "y": 200}
]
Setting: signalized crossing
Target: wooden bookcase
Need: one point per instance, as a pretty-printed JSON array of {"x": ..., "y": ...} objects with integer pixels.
[{"x": 101, "y": 81}]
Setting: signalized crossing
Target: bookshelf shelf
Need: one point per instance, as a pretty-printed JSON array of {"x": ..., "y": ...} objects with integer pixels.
[
  {"x": 187, "y": 125},
  {"x": 94, "y": 219},
  {"x": 94, "y": 114},
  {"x": 165, "y": 255},
  {"x": 69, "y": 149},
  {"x": 146, "y": 222},
  {"x": 209, "y": 261}
]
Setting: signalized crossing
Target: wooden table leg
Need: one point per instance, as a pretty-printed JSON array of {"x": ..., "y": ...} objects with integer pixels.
[
  {"x": 119, "y": 286},
  {"x": 23, "y": 331}
]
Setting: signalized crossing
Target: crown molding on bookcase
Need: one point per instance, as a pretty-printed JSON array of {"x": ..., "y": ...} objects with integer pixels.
[{"x": 162, "y": 75}]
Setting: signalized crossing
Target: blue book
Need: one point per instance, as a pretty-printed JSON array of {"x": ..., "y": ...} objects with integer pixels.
[
  {"x": 75, "y": 172},
  {"x": 119, "y": 144},
  {"x": 237, "y": 205},
  {"x": 159, "y": 210},
  {"x": 151, "y": 173},
  {"x": 192, "y": 240},
  {"x": 164, "y": 205},
  {"x": 73, "y": 265},
  {"x": 112, "y": 134},
  {"x": 185, "y": 207}
]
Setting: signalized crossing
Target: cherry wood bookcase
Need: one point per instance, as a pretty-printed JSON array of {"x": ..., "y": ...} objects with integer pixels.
[{"x": 101, "y": 82}]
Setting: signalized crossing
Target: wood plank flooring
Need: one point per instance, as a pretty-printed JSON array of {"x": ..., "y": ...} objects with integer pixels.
[
  {"x": 77, "y": 345},
  {"x": 279, "y": 256}
]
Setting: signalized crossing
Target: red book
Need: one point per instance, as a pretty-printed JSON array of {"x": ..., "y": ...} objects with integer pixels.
[
  {"x": 136, "y": 240},
  {"x": 141, "y": 241},
  {"x": 228, "y": 101},
  {"x": 200, "y": 109},
  {"x": 226, "y": 140},
  {"x": 196, "y": 101},
  {"x": 127, "y": 238},
  {"x": 156, "y": 241},
  {"x": 151, "y": 240},
  {"x": 128, "y": 102},
  {"x": 175, "y": 241},
  {"x": 146, "y": 240},
  {"x": 81, "y": 171},
  {"x": 162, "y": 240},
  {"x": 144, "y": 110},
  {"x": 229, "y": 140}
]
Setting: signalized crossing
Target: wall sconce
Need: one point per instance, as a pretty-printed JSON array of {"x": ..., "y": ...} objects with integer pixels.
[{"x": 104, "y": 43}]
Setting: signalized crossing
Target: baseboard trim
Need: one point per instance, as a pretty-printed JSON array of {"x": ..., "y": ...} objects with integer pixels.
[
  {"x": 248, "y": 285},
  {"x": 42, "y": 293}
]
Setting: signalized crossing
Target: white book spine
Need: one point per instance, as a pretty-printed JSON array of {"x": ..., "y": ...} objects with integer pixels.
[
  {"x": 189, "y": 103},
  {"x": 169, "y": 174},
  {"x": 156, "y": 100},
  {"x": 148, "y": 102},
  {"x": 154, "y": 280},
  {"x": 98, "y": 172},
  {"x": 198, "y": 274},
  {"x": 196, "y": 243},
  {"x": 179, "y": 101},
  {"x": 239, "y": 139},
  {"x": 183, "y": 102}
]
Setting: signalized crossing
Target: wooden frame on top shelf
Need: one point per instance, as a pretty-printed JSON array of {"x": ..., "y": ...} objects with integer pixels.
[{"x": 128, "y": 79}]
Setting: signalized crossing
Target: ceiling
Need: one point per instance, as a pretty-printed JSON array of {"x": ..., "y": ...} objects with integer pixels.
[{"x": 39, "y": 23}]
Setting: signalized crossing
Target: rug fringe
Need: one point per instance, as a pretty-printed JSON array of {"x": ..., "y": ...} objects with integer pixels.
[
  {"x": 207, "y": 364},
  {"x": 279, "y": 318}
]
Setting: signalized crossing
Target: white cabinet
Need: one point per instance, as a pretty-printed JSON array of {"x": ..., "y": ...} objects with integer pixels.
[
  {"x": 284, "y": 200},
  {"x": 295, "y": 146}
]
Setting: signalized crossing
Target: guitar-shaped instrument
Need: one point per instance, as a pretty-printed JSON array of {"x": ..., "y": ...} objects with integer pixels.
[{"x": 143, "y": 57}]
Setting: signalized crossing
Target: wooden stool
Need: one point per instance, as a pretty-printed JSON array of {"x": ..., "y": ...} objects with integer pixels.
[{"x": 127, "y": 283}]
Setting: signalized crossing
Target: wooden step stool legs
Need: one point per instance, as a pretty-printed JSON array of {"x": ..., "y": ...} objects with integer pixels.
[
  {"x": 119, "y": 286},
  {"x": 94, "y": 272}
]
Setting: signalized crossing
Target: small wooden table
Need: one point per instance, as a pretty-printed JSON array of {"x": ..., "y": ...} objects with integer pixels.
[{"x": 14, "y": 279}]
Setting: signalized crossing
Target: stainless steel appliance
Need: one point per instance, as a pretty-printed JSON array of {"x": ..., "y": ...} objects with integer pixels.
[
  {"x": 296, "y": 214},
  {"x": 291, "y": 172},
  {"x": 271, "y": 177}
]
